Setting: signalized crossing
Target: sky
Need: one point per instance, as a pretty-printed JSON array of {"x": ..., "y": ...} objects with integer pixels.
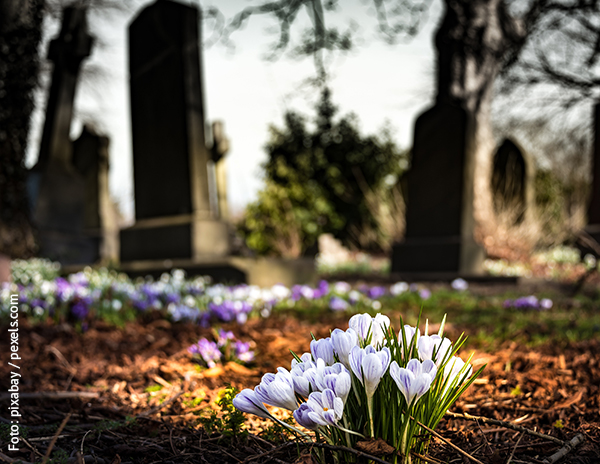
[{"x": 378, "y": 82}]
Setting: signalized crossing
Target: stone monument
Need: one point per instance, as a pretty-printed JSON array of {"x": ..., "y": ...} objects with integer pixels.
[
  {"x": 593, "y": 213},
  {"x": 174, "y": 218},
  {"x": 512, "y": 182},
  {"x": 56, "y": 188},
  {"x": 100, "y": 219},
  {"x": 439, "y": 212}
]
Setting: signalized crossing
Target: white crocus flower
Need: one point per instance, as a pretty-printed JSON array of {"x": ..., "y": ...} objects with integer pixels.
[
  {"x": 433, "y": 347},
  {"x": 343, "y": 342},
  {"x": 322, "y": 349},
  {"x": 277, "y": 390},
  {"x": 247, "y": 401},
  {"x": 369, "y": 366},
  {"x": 364, "y": 324},
  {"x": 414, "y": 380}
]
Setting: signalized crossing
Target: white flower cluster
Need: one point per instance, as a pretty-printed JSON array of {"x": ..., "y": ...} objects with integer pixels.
[{"x": 351, "y": 365}]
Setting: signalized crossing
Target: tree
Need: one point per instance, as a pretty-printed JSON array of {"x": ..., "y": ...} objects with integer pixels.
[
  {"x": 476, "y": 41},
  {"x": 20, "y": 34},
  {"x": 328, "y": 180},
  {"x": 20, "y": 38}
]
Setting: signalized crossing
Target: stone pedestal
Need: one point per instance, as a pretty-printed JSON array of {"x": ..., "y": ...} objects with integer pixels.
[{"x": 439, "y": 214}]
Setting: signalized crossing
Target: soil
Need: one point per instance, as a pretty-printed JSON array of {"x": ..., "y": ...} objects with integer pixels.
[{"x": 552, "y": 390}]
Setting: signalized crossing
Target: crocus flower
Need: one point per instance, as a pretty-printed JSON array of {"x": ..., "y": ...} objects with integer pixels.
[
  {"x": 364, "y": 324},
  {"x": 398, "y": 288},
  {"x": 456, "y": 367},
  {"x": 242, "y": 351},
  {"x": 546, "y": 303},
  {"x": 409, "y": 333},
  {"x": 247, "y": 401},
  {"x": 277, "y": 390},
  {"x": 343, "y": 342},
  {"x": 321, "y": 408},
  {"x": 375, "y": 292},
  {"x": 341, "y": 288},
  {"x": 433, "y": 347},
  {"x": 338, "y": 304},
  {"x": 414, "y": 380},
  {"x": 459, "y": 284},
  {"x": 207, "y": 350},
  {"x": 322, "y": 349},
  {"x": 301, "y": 382},
  {"x": 336, "y": 378},
  {"x": 369, "y": 366},
  {"x": 425, "y": 294}
]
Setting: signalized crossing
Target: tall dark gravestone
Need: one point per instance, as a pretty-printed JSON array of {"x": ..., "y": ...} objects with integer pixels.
[
  {"x": 174, "y": 219},
  {"x": 593, "y": 212},
  {"x": 56, "y": 188},
  {"x": 439, "y": 212}
]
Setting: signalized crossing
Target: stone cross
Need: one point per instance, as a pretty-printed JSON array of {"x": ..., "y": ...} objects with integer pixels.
[
  {"x": 57, "y": 189},
  {"x": 67, "y": 51}
]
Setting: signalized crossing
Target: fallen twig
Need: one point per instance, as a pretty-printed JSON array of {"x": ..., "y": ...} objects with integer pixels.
[
  {"x": 426, "y": 458},
  {"x": 568, "y": 447},
  {"x": 508, "y": 425},
  {"x": 514, "y": 449},
  {"x": 448, "y": 442},
  {"x": 56, "y": 434},
  {"x": 164, "y": 404}
]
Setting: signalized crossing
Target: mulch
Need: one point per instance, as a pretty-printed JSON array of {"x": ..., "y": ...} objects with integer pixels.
[{"x": 117, "y": 415}]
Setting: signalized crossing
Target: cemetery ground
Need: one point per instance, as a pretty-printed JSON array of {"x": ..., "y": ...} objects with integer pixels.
[{"x": 133, "y": 394}]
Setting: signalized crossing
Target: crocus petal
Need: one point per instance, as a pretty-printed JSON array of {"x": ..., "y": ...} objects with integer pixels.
[
  {"x": 372, "y": 371},
  {"x": 247, "y": 401},
  {"x": 302, "y": 416},
  {"x": 343, "y": 342},
  {"x": 355, "y": 361},
  {"x": 322, "y": 349}
]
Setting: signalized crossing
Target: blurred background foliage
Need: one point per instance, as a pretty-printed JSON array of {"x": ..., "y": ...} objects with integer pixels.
[{"x": 328, "y": 178}]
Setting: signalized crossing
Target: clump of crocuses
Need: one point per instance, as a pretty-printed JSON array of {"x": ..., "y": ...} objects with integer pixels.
[
  {"x": 367, "y": 381},
  {"x": 227, "y": 348}
]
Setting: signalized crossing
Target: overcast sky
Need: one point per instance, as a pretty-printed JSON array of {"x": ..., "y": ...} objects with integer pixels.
[{"x": 376, "y": 81}]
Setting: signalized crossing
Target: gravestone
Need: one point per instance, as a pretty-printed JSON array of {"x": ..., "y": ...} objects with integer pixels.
[
  {"x": 439, "y": 210},
  {"x": 512, "y": 182},
  {"x": 220, "y": 148},
  {"x": 593, "y": 213},
  {"x": 56, "y": 188},
  {"x": 174, "y": 218},
  {"x": 100, "y": 220}
]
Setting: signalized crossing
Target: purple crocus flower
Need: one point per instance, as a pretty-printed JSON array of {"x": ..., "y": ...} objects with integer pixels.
[
  {"x": 80, "y": 310},
  {"x": 376, "y": 292},
  {"x": 207, "y": 350},
  {"x": 242, "y": 351},
  {"x": 338, "y": 304},
  {"x": 224, "y": 337}
]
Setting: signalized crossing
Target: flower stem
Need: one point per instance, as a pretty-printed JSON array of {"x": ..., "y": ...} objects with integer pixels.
[{"x": 370, "y": 408}]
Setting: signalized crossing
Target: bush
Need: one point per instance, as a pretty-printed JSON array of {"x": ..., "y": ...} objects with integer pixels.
[{"x": 328, "y": 180}]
